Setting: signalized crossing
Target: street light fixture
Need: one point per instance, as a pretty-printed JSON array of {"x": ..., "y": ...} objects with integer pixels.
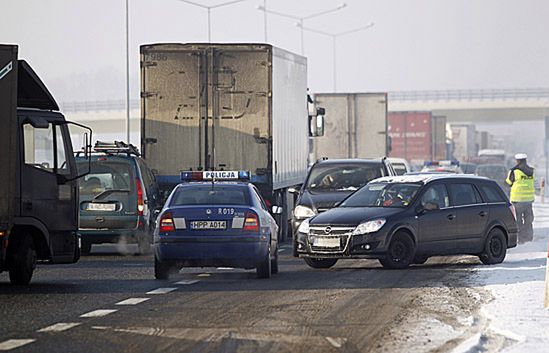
[
  {"x": 209, "y": 8},
  {"x": 334, "y": 37},
  {"x": 298, "y": 18}
]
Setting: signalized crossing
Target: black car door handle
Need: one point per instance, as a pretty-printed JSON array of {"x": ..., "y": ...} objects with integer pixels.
[
  {"x": 482, "y": 213},
  {"x": 451, "y": 216}
]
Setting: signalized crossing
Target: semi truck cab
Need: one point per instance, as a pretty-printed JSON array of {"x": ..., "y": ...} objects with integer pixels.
[{"x": 38, "y": 177}]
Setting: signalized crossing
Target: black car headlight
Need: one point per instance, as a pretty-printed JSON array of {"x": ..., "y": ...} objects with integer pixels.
[
  {"x": 304, "y": 227},
  {"x": 302, "y": 212},
  {"x": 369, "y": 227}
]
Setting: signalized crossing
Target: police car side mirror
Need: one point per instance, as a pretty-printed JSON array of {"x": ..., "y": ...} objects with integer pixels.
[{"x": 276, "y": 210}]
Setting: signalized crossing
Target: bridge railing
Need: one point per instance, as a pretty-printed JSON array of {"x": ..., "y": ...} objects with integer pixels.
[{"x": 472, "y": 94}]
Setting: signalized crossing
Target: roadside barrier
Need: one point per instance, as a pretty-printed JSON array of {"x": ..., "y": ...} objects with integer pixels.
[{"x": 546, "y": 304}]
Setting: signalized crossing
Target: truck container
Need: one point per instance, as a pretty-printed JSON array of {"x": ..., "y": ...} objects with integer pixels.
[
  {"x": 464, "y": 139},
  {"x": 226, "y": 107},
  {"x": 417, "y": 136},
  {"x": 38, "y": 187},
  {"x": 356, "y": 126}
]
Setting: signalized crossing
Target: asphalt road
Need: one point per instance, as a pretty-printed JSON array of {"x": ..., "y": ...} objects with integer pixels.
[{"x": 352, "y": 307}]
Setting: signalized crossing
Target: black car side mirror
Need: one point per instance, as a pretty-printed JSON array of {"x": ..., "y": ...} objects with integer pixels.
[{"x": 420, "y": 210}]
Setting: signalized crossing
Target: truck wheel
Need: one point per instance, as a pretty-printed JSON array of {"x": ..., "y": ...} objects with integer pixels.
[
  {"x": 320, "y": 263},
  {"x": 161, "y": 269},
  {"x": 86, "y": 247},
  {"x": 495, "y": 248},
  {"x": 274, "y": 262},
  {"x": 23, "y": 261},
  {"x": 264, "y": 268},
  {"x": 400, "y": 253},
  {"x": 143, "y": 243}
]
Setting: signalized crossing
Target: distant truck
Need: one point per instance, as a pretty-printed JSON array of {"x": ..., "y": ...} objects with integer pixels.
[
  {"x": 226, "y": 107},
  {"x": 38, "y": 186},
  {"x": 464, "y": 139},
  {"x": 417, "y": 136},
  {"x": 356, "y": 126}
]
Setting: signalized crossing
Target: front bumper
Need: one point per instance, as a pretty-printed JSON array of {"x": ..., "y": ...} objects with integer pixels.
[{"x": 212, "y": 251}]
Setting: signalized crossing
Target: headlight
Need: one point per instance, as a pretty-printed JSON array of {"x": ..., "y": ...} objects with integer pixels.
[
  {"x": 368, "y": 227},
  {"x": 301, "y": 212},
  {"x": 304, "y": 227}
]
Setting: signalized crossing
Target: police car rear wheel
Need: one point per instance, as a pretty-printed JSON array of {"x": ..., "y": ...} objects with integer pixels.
[
  {"x": 495, "y": 248},
  {"x": 320, "y": 263},
  {"x": 161, "y": 269},
  {"x": 23, "y": 260},
  {"x": 264, "y": 268}
]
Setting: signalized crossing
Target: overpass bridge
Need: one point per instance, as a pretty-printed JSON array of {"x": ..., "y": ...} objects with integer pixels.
[{"x": 489, "y": 106}]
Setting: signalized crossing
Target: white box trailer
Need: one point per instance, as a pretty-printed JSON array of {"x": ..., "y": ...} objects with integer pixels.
[
  {"x": 226, "y": 107},
  {"x": 355, "y": 126}
]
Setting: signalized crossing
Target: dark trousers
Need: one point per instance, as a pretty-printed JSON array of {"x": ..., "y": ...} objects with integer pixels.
[{"x": 525, "y": 217}]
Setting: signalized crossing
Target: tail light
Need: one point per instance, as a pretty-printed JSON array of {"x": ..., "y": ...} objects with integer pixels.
[
  {"x": 140, "y": 202},
  {"x": 251, "y": 223},
  {"x": 166, "y": 223},
  {"x": 513, "y": 211}
]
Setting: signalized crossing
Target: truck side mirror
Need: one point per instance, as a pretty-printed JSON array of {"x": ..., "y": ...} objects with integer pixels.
[{"x": 316, "y": 125}]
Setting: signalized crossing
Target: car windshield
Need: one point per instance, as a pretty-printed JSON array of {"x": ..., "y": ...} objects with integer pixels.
[
  {"x": 208, "y": 195},
  {"x": 492, "y": 171},
  {"x": 383, "y": 195},
  {"x": 106, "y": 176},
  {"x": 343, "y": 177}
]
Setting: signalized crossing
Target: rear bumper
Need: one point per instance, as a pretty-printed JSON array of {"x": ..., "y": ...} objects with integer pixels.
[{"x": 242, "y": 252}]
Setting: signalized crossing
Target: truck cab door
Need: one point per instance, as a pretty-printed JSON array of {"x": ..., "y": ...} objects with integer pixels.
[{"x": 48, "y": 189}]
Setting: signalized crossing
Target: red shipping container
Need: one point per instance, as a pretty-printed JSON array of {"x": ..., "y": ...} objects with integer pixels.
[{"x": 411, "y": 135}]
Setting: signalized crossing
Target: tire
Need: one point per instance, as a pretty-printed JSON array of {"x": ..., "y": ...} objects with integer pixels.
[
  {"x": 23, "y": 261},
  {"x": 420, "y": 259},
  {"x": 263, "y": 270},
  {"x": 274, "y": 262},
  {"x": 320, "y": 263},
  {"x": 143, "y": 243},
  {"x": 86, "y": 247},
  {"x": 495, "y": 248},
  {"x": 295, "y": 253},
  {"x": 400, "y": 253},
  {"x": 161, "y": 269}
]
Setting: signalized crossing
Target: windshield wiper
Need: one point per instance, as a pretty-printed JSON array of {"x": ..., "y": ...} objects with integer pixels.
[{"x": 108, "y": 192}]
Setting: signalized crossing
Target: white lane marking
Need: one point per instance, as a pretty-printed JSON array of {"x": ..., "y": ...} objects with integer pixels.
[
  {"x": 99, "y": 313},
  {"x": 336, "y": 342},
  {"x": 161, "y": 291},
  {"x": 62, "y": 326},
  {"x": 281, "y": 250},
  {"x": 286, "y": 246},
  {"x": 225, "y": 268},
  {"x": 187, "y": 281},
  {"x": 132, "y": 301},
  {"x": 12, "y": 344},
  {"x": 203, "y": 275}
]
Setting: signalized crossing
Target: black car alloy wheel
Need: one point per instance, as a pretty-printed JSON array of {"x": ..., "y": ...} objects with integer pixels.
[
  {"x": 400, "y": 253},
  {"x": 495, "y": 248}
]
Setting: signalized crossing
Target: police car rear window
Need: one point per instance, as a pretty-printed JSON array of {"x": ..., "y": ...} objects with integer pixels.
[{"x": 208, "y": 195}]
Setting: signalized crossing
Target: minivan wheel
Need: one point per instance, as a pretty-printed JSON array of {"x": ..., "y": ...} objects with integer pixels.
[
  {"x": 143, "y": 243},
  {"x": 320, "y": 263},
  {"x": 161, "y": 269},
  {"x": 23, "y": 261},
  {"x": 400, "y": 253},
  {"x": 495, "y": 248}
]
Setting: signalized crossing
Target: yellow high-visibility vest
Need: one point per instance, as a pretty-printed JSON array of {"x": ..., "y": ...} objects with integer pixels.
[{"x": 522, "y": 189}]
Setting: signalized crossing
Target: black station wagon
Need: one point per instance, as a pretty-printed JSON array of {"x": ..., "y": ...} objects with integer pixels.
[{"x": 406, "y": 219}]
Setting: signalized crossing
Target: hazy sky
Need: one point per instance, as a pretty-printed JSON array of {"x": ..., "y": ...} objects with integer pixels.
[{"x": 78, "y": 47}]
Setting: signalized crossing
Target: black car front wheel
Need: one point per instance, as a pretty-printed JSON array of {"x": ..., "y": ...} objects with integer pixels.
[
  {"x": 320, "y": 263},
  {"x": 495, "y": 248},
  {"x": 400, "y": 253}
]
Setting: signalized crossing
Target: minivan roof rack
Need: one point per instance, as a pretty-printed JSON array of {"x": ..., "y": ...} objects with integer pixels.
[{"x": 116, "y": 147}]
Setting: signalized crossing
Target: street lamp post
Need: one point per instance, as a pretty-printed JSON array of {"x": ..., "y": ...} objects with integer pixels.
[
  {"x": 209, "y": 9},
  {"x": 127, "y": 72},
  {"x": 334, "y": 37},
  {"x": 301, "y": 20}
]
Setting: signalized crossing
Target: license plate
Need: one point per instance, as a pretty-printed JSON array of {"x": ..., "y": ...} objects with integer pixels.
[
  {"x": 326, "y": 242},
  {"x": 101, "y": 207},
  {"x": 209, "y": 224}
]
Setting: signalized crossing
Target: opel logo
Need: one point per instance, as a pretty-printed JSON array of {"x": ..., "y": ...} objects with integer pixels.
[
  {"x": 328, "y": 230},
  {"x": 208, "y": 211}
]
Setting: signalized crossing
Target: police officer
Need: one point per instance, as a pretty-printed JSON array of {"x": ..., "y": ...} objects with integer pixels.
[{"x": 521, "y": 180}]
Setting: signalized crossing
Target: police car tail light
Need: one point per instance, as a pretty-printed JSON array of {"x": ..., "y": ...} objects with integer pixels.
[
  {"x": 251, "y": 223},
  {"x": 140, "y": 202},
  {"x": 166, "y": 223}
]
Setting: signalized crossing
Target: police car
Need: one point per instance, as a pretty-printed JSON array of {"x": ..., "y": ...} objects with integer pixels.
[
  {"x": 216, "y": 218},
  {"x": 446, "y": 166}
]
